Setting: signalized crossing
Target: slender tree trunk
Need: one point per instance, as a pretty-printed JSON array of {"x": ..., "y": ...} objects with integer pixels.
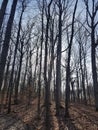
[
  {"x": 18, "y": 78},
  {"x": 52, "y": 55},
  {"x": 36, "y": 64},
  {"x": 58, "y": 62},
  {"x": 73, "y": 91},
  {"x": 82, "y": 74},
  {"x": 40, "y": 69},
  {"x": 24, "y": 78},
  {"x": 54, "y": 83},
  {"x": 1, "y": 38},
  {"x": 88, "y": 89},
  {"x": 39, "y": 81},
  {"x": 47, "y": 91},
  {"x": 67, "y": 100},
  {"x": 30, "y": 78},
  {"x": 78, "y": 94}
]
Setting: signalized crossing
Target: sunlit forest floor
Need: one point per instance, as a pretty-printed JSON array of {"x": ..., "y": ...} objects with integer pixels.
[{"x": 25, "y": 117}]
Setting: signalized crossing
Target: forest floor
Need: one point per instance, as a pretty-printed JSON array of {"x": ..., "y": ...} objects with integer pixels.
[{"x": 24, "y": 117}]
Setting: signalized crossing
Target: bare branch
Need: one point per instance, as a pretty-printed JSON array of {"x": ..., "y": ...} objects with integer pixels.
[
  {"x": 83, "y": 25},
  {"x": 87, "y": 8},
  {"x": 96, "y": 24}
]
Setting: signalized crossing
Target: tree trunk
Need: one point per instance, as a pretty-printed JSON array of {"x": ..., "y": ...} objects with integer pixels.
[
  {"x": 7, "y": 41},
  {"x": 92, "y": 15},
  {"x": 2, "y": 11},
  {"x": 24, "y": 77},
  {"x": 5, "y": 81},
  {"x": 94, "y": 71},
  {"x": 47, "y": 91},
  {"x": 36, "y": 64},
  {"x": 58, "y": 62},
  {"x": 78, "y": 94},
  {"x": 13, "y": 65},
  {"x": 18, "y": 78},
  {"x": 52, "y": 54},
  {"x": 39, "y": 78},
  {"x": 82, "y": 73},
  {"x": 73, "y": 91},
  {"x": 67, "y": 100}
]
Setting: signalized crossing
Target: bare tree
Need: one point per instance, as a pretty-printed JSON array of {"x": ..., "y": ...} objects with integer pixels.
[
  {"x": 58, "y": 61},
  {"x": 40, "y": 69},
  {"x": 68, "y": 64},
  {"x": 91, "y": 14},
  {"x": 47, "y": 91}
]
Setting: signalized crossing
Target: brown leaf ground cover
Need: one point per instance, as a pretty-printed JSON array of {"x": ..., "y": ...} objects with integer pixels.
[{"x": 25, "y": 117}]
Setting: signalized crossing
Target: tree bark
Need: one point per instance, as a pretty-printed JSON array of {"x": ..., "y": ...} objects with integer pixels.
[
  {"x": 40, "y": 68},
  {"x": 18, "y": 78},
  {"x": 7, "y": 41},
  {"x": 2, "y": 11},
  {"x": 67, "y": 100},
  {"x": 5, "y": 80},
  {"x": 47, "y": 91},
  {"x": 58, "y": 62}
]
